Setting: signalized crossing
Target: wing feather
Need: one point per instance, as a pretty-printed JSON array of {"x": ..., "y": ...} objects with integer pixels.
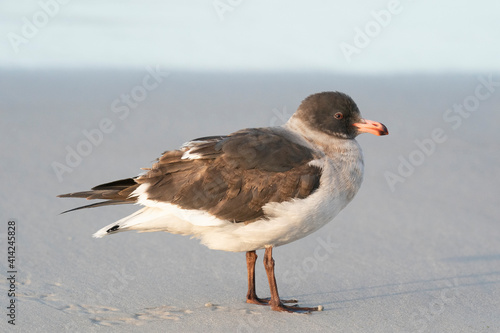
[{"x": 231, "y": 177}]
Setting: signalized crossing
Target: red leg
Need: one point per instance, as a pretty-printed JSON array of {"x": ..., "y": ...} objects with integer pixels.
[
  {"x": 275, "y": 302},
  {"x": 251, "y": 294}
]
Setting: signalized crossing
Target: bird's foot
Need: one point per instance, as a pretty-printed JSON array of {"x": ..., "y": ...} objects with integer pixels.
[
  {"x": 265, "y": 301},
  {"x": 294, "y": 308}
]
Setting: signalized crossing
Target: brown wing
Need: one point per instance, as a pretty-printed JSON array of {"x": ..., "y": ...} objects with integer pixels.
[{"x": 233, "y": 177}]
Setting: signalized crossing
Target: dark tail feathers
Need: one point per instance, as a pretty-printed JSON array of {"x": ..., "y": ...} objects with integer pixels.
[{"x": 115, "y": 193}]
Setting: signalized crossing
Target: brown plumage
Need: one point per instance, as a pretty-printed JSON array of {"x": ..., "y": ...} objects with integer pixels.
[
  {"x": 282, "y": 182},
  {"x": 232, "y": 177}
]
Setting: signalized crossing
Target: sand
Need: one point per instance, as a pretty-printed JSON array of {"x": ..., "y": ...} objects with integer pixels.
[{"x": 418, "y": 250}]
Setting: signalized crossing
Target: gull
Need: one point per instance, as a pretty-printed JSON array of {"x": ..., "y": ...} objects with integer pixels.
[{"x": 257, "y": 188}]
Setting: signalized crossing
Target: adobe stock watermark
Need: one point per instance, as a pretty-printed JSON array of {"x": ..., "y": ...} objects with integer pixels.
[
  {"x": 426, "y": 314},
  {"x": 294, "y": 278},
  {"x": 280, "y": 117},
  {"x": 371, "y": 30},
  {"x": 99, "y": 303},
  {"x": 454, "y": 117},
  {"x": 222, "y": 7},
  {"x": 117, "y": 283},
  {"x": 32, "y": 25},
  {"x": 250, "y": 323},
  {"x": 121, "y": 108},
  {"x": 299, "y": 273}
]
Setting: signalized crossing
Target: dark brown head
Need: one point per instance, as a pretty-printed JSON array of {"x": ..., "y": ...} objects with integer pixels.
[{"x": 336, "y": 114}]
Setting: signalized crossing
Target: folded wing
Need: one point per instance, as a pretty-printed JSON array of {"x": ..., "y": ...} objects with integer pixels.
[{"x": 231, "y": 177}]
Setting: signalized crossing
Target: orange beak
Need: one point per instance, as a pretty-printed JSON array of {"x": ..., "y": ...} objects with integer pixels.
[{"x": 370, "y": 126}]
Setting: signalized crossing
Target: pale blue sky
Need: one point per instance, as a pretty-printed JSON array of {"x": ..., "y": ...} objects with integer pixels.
[{"x": 278, "y": 35}]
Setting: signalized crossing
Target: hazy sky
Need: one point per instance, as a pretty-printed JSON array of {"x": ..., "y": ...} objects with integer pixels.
[{"x": 361, "y": 36}]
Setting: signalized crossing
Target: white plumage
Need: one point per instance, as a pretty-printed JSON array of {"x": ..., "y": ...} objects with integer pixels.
[
  {"x": 285, "y": 222},
  {"x": 253, "y": 189}
]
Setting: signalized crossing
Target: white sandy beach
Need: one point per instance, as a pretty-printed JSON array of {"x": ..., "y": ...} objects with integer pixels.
[{"x": 418, "y": 249}]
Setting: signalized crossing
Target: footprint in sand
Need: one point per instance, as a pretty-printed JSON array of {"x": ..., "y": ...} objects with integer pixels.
[
  {"x": 106, "y": 315},
  {"x": 149, "y": 314}
]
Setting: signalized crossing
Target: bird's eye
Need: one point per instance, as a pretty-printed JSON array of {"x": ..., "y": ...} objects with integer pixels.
[{"x": 338, "y": 115}]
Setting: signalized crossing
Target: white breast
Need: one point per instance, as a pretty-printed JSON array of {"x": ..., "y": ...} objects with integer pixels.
[
  {"x": 285, "y": 222},
  {"x": 291, "y": 220}
]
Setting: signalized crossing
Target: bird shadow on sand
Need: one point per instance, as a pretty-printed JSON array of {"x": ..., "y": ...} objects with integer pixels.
[
  {"x": 471, "y": 259},
  {"x": 452, "y": 283}
]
